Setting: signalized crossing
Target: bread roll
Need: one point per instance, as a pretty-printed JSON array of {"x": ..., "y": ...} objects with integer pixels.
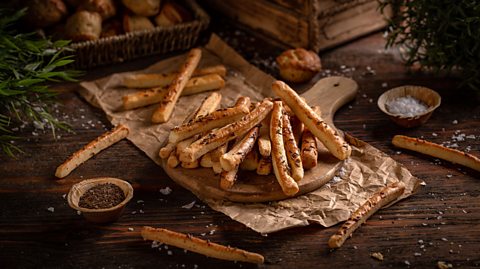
[
  {"x": 143, "y": 7},
  {"x": 135, "y": 23},
  {"x": 172, "y": 14},
  {"x": 112, "y": 27},
  {"x": 298, "y": 65},
  {"x": 44, "y": 13},
  {"x": 106, "y": 8},
  {"x": 84, "y": 25}
]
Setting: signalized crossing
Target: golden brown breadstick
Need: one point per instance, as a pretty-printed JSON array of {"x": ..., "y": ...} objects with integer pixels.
[
  {"x": 291, "y": 149},
  {"x": 387, "y": 194},
  {"x": 198, "y": 245},
  {"x": 218, "y": 152},
  {"x": 206, "y": 160},
  {"x": 190, "y": 165},
  {"x": 172, "y": 160},
  {"x": 154, "y": 95},
  {"x": 436, "y": 150},
  {"x": 233, "y": 158},
  {"x": 217, "y": 167},
  {"x": 326, "y": 134},
  {"x": 91, "y": 149},
  {"x": 309, "y": 150},
  {"x": 228, "y": 178},
  {"x": 165, "y": 109},
  {"x": 251, "y": 161},
  {"x": 264, "y": 144},
  {"x": 215, "y": 119},
  {"x": 279, "y": 158},
  {"x": 265, "y": 166},
  {"x": 161, "y": 80},
  {"x": 229, "y": 132}
]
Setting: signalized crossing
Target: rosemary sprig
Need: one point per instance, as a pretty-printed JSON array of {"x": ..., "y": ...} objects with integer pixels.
[
  {"x": 438, "y": 35},
  {"x": 28, "y": 64}
]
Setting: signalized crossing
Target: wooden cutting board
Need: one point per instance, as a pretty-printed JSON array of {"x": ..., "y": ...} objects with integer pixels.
[{"x": 330, "y": 94}]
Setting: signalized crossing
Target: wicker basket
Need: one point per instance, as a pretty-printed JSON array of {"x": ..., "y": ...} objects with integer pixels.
[{"x": 142, "y": 43}]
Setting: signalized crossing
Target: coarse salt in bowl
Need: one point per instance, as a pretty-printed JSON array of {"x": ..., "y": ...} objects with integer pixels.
[{"x": 409, "y": 106}]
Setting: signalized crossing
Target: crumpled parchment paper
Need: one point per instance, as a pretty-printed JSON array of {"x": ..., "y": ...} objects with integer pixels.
[{"x": 361, "y": 175}]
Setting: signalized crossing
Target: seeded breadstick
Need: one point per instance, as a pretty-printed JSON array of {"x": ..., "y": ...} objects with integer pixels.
[
  {"x": 326, "y": 134},
  {"x": 279, "y": 158},
  {"x": 292, "y": 151},
  {"x": 373, "y": 204},
  {"x": 165, "y": 109},
  {"x": 91, "y": 149}
]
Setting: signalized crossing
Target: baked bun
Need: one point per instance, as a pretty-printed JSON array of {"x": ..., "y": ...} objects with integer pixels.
[
  {"x": 44, "y": 13},
  {"x": 84, "y": 25},
  {"x": 298, "y": 65},
  {"x": 143, "y": 7},
  {"x": 172, "y": 14},
  {"x": 112, "y": 28},
  {"x": 133, "y": 23},
  {"x": 106, "y": 8}
]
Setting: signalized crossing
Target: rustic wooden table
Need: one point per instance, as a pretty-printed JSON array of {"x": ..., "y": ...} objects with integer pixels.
[{"x": 439, "y": 223}]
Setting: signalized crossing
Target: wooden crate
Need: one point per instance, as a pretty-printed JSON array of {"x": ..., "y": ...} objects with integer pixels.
[{"x": 313, "y": 24}]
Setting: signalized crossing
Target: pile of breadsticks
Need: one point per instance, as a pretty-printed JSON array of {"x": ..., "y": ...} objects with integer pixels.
[{"x": 273, "y": 134}]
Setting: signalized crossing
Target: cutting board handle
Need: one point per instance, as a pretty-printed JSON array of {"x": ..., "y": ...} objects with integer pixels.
[{"x": 330, "y": 94}]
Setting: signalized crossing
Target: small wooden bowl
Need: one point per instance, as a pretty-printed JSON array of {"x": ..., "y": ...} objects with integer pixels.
[
  {"x": 102, "y": 215},
  {"x": 431, "y": 98}
]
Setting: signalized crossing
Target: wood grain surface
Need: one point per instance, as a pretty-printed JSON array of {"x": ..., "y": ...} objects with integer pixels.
[
  {"x": 330, "y": 94},
  {"x": 439, "y": 223}
]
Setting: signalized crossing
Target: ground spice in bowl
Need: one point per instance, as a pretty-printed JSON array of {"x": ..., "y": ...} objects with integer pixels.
[{"x": 102, "y": 196}]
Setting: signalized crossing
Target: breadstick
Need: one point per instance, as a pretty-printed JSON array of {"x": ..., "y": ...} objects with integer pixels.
[
  {"x": 218, "y": 152},
  {"x": 91, "y": 149},
  {"x": 387, "y": 194},
  {"x": 265, "y": 166},
  {"x": 154, "y": 95},
  {"x": 217, "y": 167},
  {"x": 160, "y": 80},
  {"x": 326, "y": 134},
  {"x": 215, "y": 119},
  {"x": 232, "y": 159},
  {"x": 264, "y": 144},
  {"x": 291, "y": 148},
  {"x": 165, "y": 109},
  {"x": 190, "y": 165},
  {"x": 279, "y": 158},
  {"x": 251, "y": 161},
  {"x": 201, "y": 246},
  {"x": 438, "y": 151},
  {"x": 309, "y": 150},
  {"x": 218, "y": 137},
  {"x": 206, "y": 160},
  {"x": 172, "y": 160},
  {"x": 208, "y": 105},
  {"x": 228, "y": 178}
]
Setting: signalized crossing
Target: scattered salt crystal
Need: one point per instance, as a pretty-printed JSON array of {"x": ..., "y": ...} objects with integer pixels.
[
  {"x": 170, "y": 253},
  {"x": 34, "y": 134},
  {"x": 140, "y": 201},
  {"x": 406, "y": 106},
  {"x": 141, "y": 211},
  {"x": 420, "y": 241},
  {"x": 444, "y": 239},
  {"x": 434, "y": 134},
  {"x": 377, "y": 255},
  {"x": 343, "y": 66},
  {"x": 449, "y": 176},
  {"x": 355, "y": 247},
  {"x": 423, "y": 183},
  {"x": 130, "y": 229},
  {"x": 212, "y": 232},
  {"x": 464, "y": 211},
  {"x": 51, "y": 209},
  {"x": 64, "y": 195},
  {"x": 79, "y": 213},
  {"x": 189, "y": 206},
  {"x": 166, "y": 191},
  {"x": 470, "y": 136},
  {"x": 336, "y": 179},
  {"x": 417, "y": 254},
  {"x": 364, "y": 126},
  {"x": 455, "y": 122},
  {"x": 407, "y": 262},
  {"x": 398, "y": 152},
  {"x": 156, "y": 244},
  {"x": 384, "y": 85},
  {"x": 364, "y": 95},
  {"x": 370, "y": 100}
]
